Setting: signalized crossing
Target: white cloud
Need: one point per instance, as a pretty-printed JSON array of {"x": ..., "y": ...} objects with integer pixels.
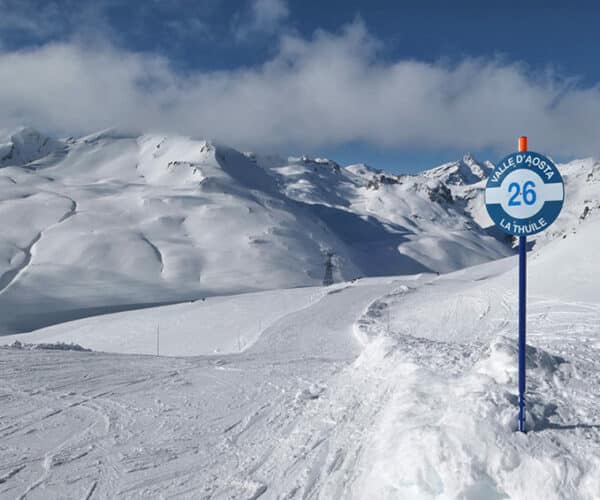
[
  {"x": 313, "y": 93},
  {"x": 264, "y": 17},
  {"x": 269, "y": 12},
  {"x": 35, "y": 21}
]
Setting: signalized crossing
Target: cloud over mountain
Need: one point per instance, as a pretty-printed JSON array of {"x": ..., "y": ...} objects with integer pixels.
[{"x": 330, "y": 89}]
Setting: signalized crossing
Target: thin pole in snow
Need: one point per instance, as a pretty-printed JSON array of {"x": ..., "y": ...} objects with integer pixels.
[
  {"x": 157, "y": 339},
  {"x": 522, "y": 312}
]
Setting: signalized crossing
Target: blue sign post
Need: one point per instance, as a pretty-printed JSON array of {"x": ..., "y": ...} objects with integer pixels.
[{"x": 523, "y": 196}]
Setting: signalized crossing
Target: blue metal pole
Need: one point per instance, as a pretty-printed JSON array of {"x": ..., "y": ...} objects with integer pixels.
[{"x": 522, "y": 327}]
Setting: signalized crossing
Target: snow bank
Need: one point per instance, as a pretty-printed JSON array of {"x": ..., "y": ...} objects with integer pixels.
[
  {"x": 444, "y": 436},
  {"x": 448, "y": 423}
]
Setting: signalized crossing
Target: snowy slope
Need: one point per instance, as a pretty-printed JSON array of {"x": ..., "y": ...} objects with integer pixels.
[
  {"x": 225, "y": 324},
  {"x": 395, "y": 387},
  {"x": 126, "y": 221},
  {"x": 430, "y": 228},
  {"x": 113, "y": 222},
  {"x": 383, "y": 388},
  {"x": 142, "y": 426},
  {"x": 447, "y": 430}
]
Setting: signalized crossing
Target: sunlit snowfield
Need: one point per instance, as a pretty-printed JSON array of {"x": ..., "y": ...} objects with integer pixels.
[{"x": 399, "y": 384}]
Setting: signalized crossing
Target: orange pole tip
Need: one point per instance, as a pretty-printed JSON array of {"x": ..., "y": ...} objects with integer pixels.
[{"x": 523, "y": 143}]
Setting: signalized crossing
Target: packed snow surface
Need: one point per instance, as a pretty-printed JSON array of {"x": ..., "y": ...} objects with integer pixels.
[{"x": 400, "y": 386}]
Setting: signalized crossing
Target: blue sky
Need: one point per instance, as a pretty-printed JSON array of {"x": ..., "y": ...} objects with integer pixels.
[{"x": 399, "y": 85}]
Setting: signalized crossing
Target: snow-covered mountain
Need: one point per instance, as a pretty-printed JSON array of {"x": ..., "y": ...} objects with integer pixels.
[
  {"x": 114, "y": 221},
  {"x": 26, "y": 145},
  {"x": 463, "y": 172}
]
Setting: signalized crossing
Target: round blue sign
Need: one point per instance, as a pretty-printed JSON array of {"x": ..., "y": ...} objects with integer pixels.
[{"x": 524, "y": 193}]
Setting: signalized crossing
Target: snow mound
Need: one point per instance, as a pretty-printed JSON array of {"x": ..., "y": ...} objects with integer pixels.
[{"x": 454, "y": 436}]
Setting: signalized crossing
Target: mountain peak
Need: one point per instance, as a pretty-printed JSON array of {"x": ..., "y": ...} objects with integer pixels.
[
  {"x": 25, "y": 145},
  {"x": 462, "y": 172},
  {"x": 468, "y": 159}
]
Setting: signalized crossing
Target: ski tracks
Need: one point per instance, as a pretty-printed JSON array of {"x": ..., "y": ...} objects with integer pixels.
[
  {"x": 93, "y": 416},
  {"x": 87, "y": 429},
  {"x": 318, "y": 455}
]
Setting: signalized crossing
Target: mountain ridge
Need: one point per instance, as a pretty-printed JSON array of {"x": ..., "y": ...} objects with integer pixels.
[{"x": 114, "y": 220}]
